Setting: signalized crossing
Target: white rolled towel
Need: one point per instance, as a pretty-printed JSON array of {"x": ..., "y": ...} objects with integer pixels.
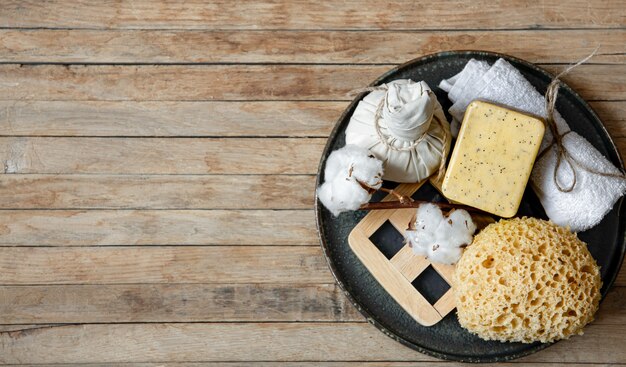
[{"x": 593, "y": 196}]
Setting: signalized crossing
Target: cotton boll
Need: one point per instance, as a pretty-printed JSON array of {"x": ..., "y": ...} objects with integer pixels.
[
  {"x": 355, "y": 162},
  {"x": 459, "y": 227},
  {"x": 440, "y": 238},
  {"x": 346, "y": 170},
  {"x": 445, "y": 255},
  {"x": 340, "y": 195},
  {"x": 412, "y": 238},
  {"x": 362, "y": 165},
  {"x": 428, "y": 216}
]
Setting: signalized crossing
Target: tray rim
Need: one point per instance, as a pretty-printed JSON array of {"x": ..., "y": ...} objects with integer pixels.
[{"x": 321, "y": 233}]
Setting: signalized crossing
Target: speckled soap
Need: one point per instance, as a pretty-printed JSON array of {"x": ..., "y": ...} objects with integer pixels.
[{"x": 492, "y": 158}]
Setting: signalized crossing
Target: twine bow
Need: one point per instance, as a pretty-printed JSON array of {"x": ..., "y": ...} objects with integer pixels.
[{"x": 562, "y": 154}]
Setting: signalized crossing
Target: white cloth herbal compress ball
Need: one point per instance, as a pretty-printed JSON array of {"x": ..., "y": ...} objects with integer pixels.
[
  {"x": 351, "y": 175},
  {"x": 403, "y": 125},
  {"x": 440, "y": 238}
]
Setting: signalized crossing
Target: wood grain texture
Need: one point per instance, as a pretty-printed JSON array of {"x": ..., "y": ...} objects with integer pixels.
[
  {"x": 329, "y": 364},
  {"x": 157, "y": 227},
  {"x": 238, "y": 82},
  {"x": 202, "y": 302},
  {"x": 166, "y": 264},
  {"x": 34, "y": 191},
  {"x": 148, "y": 179},
  {"x": 325, "y": 364},
  {"x": 125, "y": 46},
  {"x": 300, "y": 14},
  {"x": 613, "y": 116},
  {"x": 407, "y": 264},
  {"x": 119, "y": 343},
  {"x": 613, "y": 307},
  {"x": 160, "y": 156},
  {"x": 175, "y": 303},
  {"x": 171, "y": 119},
  {"x": 200, "y": 119},
  {"x": 392, "y": 280},
  {"x": 396, "y": 275}
]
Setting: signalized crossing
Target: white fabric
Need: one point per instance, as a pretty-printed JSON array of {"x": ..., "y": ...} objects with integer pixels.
[
  {"x": 408, "y": 112},
  {"x": 593, "y": 196},
  {"x": 501, "y": 83}
]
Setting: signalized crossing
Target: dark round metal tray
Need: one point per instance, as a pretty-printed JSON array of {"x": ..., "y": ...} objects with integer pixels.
[{"x": 447, "y": 340}]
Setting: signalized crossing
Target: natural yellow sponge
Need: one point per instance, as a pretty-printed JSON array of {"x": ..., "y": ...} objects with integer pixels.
[{"x": 526, "y": 280}]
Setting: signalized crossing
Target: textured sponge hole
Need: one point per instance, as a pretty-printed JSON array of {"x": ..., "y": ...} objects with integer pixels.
[{"x": 488, "y": 263}]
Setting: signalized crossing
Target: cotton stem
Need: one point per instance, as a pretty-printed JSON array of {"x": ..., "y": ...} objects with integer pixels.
[{"x": 414, "y": 204}]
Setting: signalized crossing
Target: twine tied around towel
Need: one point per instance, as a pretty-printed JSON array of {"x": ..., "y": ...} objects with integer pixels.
[
  {"x": 562, "y": 154},
  {"x": 385, "y": 139}
]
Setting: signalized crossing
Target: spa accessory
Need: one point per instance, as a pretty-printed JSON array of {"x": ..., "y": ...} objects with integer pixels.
[
  {"x": 526, "y": 280},
  {"x": 492, "y": 158},
  {"x": 440, "y": 238},
  {"x": 502, "y": 83},
  {"x": 403, "y": 125},
  {"x": 395, "y": 271},
  {"x": 352, "y": 174}
]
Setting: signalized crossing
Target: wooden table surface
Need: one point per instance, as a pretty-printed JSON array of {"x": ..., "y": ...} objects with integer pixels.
[{"x": 159, "y": 165}]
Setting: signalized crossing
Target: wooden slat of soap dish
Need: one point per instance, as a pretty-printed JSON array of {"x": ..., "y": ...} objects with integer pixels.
[{"x": 396, "y": 275}]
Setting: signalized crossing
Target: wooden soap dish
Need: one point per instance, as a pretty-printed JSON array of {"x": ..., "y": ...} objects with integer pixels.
[{"x": 396, "y": 275}]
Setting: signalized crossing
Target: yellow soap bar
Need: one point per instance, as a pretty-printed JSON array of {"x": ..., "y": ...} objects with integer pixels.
[{"x": 492, "y": 158}]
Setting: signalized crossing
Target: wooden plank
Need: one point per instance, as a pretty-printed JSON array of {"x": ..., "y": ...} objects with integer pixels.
[
  {"x": 581, "y": 78},
  {"x": 160, "y": 155},
  {"x": 21, "y": 327},
  {"x": 323, "y": 364},
  {"x": 300, "y": 14},
  {"x": 613, "y": 307},
  {"x": 183, "y": 82},
  {"x": 200, "y": 119},
  {"x": 238, "y": 82},
  {"x": 201, "y": 342},
  {"x": 613, "y": 116},
  {"x": 128, "y": 46},
  {"x": 157, "y": 227},
  {"x": 175, "y": 303},
  {"x": 175, "y": 119},
  {"x": 119, "y": 343},
  {"x": 202, "y": 302},
  {"x": 34, "y": 191},
  {"x": 177, "y": 264}
]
